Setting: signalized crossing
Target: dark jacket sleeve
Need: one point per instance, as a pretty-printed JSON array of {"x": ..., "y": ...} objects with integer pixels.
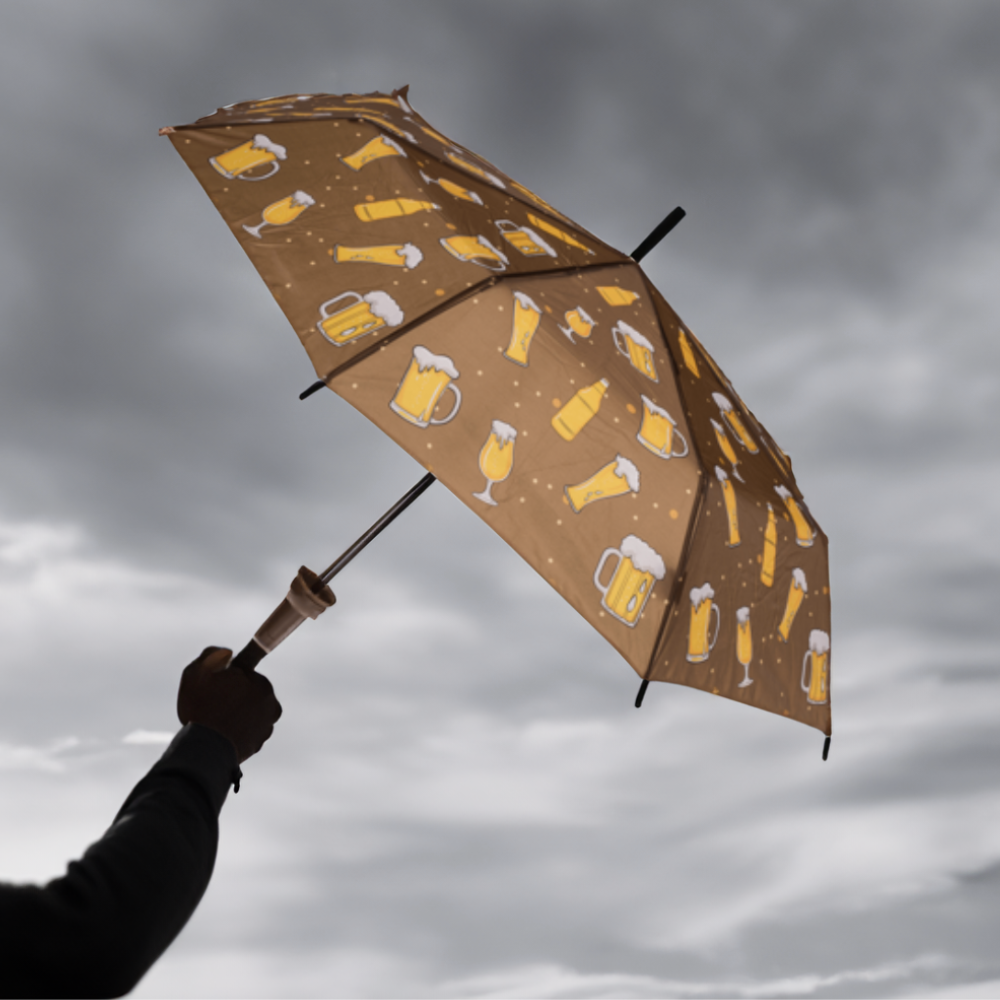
[{"x": 97, "y": 930}]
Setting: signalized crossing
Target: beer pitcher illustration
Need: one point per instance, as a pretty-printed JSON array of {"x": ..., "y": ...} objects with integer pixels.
[
  {"x": 634, "y": 346},
  {"x": 475, "y": 250},
  {"x": 659, "y": 430},
  {"x": 357, "y": 316},
  {"x": 496, "y": 459},
  {"x": 816, "y": 668},
  {"x": 241, "y": 161},
  {"x": 804, "y": 533},
  {"x": 614, "y": 480},
  {"x": 797, "y": 591},
  {"x": 525, "y": 240},
  {"x": 580, "y": 410},
  {"x": 424, "y": 383},
  {"x": 455, "y": 190},
  {"x": 729, "y": 496},
  {"x": 577, "y": 322},
  {"x": 735, "y": 422},
  {"x": 744, "y": 645},
  {"x": 702, "y": 606},
  {"x": 281, "y": 213},
  {"x": 380, "y": 146},
  {"x": 527, "y": 316},
  {"x": 638, "y": 568},
  {"x": 390, "y": 255}
]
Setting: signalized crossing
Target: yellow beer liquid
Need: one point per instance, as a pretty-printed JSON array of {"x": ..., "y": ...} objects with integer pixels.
[
  {"x": 604, "y": 483},
  {"x": 456, "y": 189},
  {"x": 739, "y": 429},
  {"x": 615, "y": 296},
  {"x": 724, "y": 444},
  {"x": 803, "y": 531},
  {"x": 350, "y": 323},
  {"x": 628, "y": 591},
  {"x": 558, "y": 233},
  {"x": 240, "y": 159},
  {"x": 496, "y": 459},
  {"x": 817, "y": 679},
  {"x": 392, "y": 208},
  {"x": 388, "y": 255},
  {"x": 578, "y": 412},
  {"x": 420, "y": 392},
  {"x": 657, "y": 432},
  {"x": 770, "y": 548},
  {"x": 524, "y": 243},
  {"x": 577, "y": 324},
  {"x": 370, "y": 151},
  {"x": 689, "y": 358},
  {"x": 284, "y": 211},
  {"x": 729, "y": 494},
  {"x": 744, "y": 643},
  {"x": 698, "y": 648},
  {"x": 792, "y": 605}
]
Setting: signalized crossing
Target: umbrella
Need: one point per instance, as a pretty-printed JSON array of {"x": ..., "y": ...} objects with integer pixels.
[{"x": 540, "y": 376}]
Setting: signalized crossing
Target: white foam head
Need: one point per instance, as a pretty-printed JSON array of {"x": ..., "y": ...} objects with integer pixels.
[
  {"x": 721, "y": 402},
  {"x": 656, "y": 410},
  {"x": 720, "y": 475},
  {"x": 537, "y": 239},
  {"x": 644, "y": 558},
  {"x": 395, "y": 145},
  {"x": 628, "y": 331},
  {"x": 474, "y": 197},
  {"x": 527, "y": 302},
  {"x": 702, "y": 593},
  {"x": 799, "y": 579},
  {"x": 384, "y": 306},
  {"x": 503, "y": 432},
  {"x": 719, "y": 429},
  {"x": 301, "y": 198},
  {"x": 261, "y": 141},
  {"x": 483, "y": 241},
  {"x": 582, "y": 313},
  {"x": 819, "y": 641},
  {"x": 425, "y": 359},
  {"x": 401, "y": 101},
  {"x": 624, "y": 468},
  {"x": 413, "y": 255},
  {"x": 784, "y": 492},
  {"x": 742, "y": 616},
  {"x": 426, "y": 179}
]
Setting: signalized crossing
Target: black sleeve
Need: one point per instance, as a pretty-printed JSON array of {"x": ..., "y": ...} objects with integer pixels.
[{"x": 97, "y": 930}]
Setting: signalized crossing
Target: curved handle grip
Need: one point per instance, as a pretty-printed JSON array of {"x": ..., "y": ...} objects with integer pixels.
[
  {"x": 718, "y": 625},
  {"x": 600, "y": 566},
  {"x": 454, "y": 410},
  {"x": 805, "y": 660},
  {"x": 680, "y": 454},
  {"x": 275, "y": 167}
]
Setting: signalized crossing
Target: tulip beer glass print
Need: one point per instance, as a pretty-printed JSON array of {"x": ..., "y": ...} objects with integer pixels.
[{"x": 542, "y": 378}]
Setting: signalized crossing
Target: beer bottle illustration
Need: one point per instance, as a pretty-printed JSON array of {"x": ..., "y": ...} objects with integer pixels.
[
  {"x": 729, "y": 495},
  {"x": 392, "y": 208},
  {"x": 804, "y": 534},
  {"x": 797, "y": 591},
  {"x": 580, "y": 410},
  {"x": 455, "y": 190},
  {"x": 770, "y": 548}
]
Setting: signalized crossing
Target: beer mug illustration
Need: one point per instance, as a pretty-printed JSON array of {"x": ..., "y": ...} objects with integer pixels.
[
  {"x": 580, "y": 410},
  {"x": 475, "y": 250},
  {"x": 477, "y": 171},
  {"x": 658, "y": 431},
  {"x": 797, "y": 591},
  {"x": 527, "y": 316},
  {"x": 735, "y": 422},
  {"x": 239, "y": 162},
  {"x": 613, "y": 480},
  {"x": 359, "y": 315},
  {"x": 634, "y": 346},
  {"x": 559, "y": 234},
  {"x": 525, "y": 240},
  {"x": 744, "y": 645},
  {"x": 804, "y": 533},
  {"x": 688, "y": 354},
  {"x": 392, "y": 208},
  {"x": 455, "y": 190},
  {"x": 281, "y": 213},
  {"x": 702, "y": 606},
  {"x": 578, "y": 322},
  {"x": 496, "y": 459},
  {"x": 378, "y": 147},
  {"x": 391, "y": 255},
  {"x": 729, "y": 496},
  {"x": 424, "y": 383},
  {"x": 726, "y": 447},
  {"x": 638, "y": 568},
  {"x": 770, "y": 548},
  {"x": 816, "y": 666},
  {"x": 615, "y": 296}
]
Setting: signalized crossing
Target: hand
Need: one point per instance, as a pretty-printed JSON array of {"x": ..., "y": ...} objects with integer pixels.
[{"x": 239, "y": 704}]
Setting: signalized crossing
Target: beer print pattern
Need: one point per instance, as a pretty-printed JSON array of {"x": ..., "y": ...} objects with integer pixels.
[{"x": 535, "y": 371}]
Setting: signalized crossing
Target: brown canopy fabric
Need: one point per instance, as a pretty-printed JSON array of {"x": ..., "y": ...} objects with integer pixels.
[{"x": 540, "y": 376}]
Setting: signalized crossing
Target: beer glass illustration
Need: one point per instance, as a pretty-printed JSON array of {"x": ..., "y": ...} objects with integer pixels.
[
  {"x": 816, "y": 667},
  {"x": 634, "y": 346},
  {"x": 735, "y": 422},
  {"x": 744, "y": 645},
  {"x": 729, "y": 496},
  {"x": 797, "y": 591},
  {"x": 615, "y": 296},
  {"x": 770, "y": 548},
  {"x": 496, "y": 459},
  {"x": 559, "y": 234},
  {"x": 688, "y": 354},
  {"x": 424, "y": 383},
  {"x": 580, "y": 410},
  {"x": 392, "y": 208},
  {"x": 804, "y": 534},
  {"x": 638, "y": 568},
  {"x": 281, "y": 213},
  {"x": 390, "y": 254},
  {"x": 527, "y": 316},
  {"x": 455, "y": 190},
  {"x": 475, "y": 250},
  {"x": 578, "y": 322},
  {"x": 239, "y": 162},
  {"x": 726, "y": 447},
  {"x": 525, "y": 240},
  {"x": 378, "y": 147},
  {"x": 658, "y": 431},
  {"x": 613, "y": 480},
  {"x": 477, "y": 171},
  {"x": 356, "y": 316},
  {"x": 702, "y": 606}
]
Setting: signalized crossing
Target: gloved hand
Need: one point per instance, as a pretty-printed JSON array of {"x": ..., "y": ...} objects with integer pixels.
[{"x": 239, "y": 704}]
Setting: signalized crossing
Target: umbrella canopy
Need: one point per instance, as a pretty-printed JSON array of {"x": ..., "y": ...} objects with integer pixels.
[{"x": 542, "y": 378}]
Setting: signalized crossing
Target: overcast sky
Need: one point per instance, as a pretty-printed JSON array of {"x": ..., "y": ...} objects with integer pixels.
[{"x": 460, "y": 799}]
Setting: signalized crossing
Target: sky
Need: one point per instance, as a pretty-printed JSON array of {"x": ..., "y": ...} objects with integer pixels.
[{"x": 460, "y": 798}]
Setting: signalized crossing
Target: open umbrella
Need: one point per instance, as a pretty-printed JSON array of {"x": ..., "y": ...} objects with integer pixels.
[{"x": 540, "y": 376}]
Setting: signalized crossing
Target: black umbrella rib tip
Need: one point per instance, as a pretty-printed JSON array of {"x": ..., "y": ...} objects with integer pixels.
[
  {"x": 315, "y": 387},
  {"x": 657, "y": 234}
]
